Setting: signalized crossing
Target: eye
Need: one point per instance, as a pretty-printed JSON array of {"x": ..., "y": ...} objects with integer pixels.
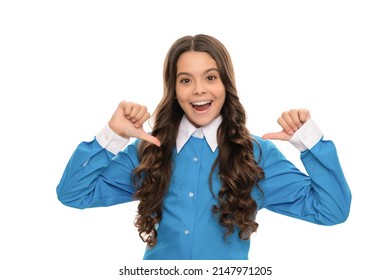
[
  {"x": 211, "y": 77},
  {"x": 184, "y": 81}
]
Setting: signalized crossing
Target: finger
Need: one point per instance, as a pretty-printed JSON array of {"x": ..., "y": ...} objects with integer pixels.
[
  {"x": 126, "y": 107},
  {"x": 282, "y": 135},
  {"x": 148, "y": 138},
  {"x": 295, "y": 117},
  {"x": 133, "y": 110},
  {"x": 289, "y": 125},
  {"x": 284, "y": 121},
  {"x": 141, "y": 121},
  {"x": 139, "y": 113},
  {"x": 304, "y": 115},
  {"x": 141, "y": 118}
]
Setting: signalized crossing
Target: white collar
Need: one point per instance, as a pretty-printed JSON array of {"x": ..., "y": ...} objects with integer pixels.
[{"x": 187, "y": 129}]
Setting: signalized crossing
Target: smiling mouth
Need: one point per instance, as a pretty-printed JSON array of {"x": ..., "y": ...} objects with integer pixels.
[{"x": 201, "y": 105}]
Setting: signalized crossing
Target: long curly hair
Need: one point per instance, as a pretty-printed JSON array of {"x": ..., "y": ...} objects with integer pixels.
[{"x": 238, "y": 170}]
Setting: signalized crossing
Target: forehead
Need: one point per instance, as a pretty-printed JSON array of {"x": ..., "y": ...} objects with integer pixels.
[{"x": 195, "y": 60}]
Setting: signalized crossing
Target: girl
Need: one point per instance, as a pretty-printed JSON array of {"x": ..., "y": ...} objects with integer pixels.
[{"x": 200, "y": 177}]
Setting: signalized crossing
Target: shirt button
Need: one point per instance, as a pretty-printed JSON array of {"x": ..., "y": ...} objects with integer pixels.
[
  {"x": 195, "y": 158},
  {"x": 106, "y": 137},
  {"x": 190, "y": 194},
  {"x": 186, "y": 232}
]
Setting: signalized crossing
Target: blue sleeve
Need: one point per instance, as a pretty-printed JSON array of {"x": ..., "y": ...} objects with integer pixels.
[
  {"x": 321, "y": 196},
  {"x": 94, "y": 177}
]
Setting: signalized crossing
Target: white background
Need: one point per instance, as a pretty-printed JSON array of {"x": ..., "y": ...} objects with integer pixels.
[{"x": 65, "y": 65}]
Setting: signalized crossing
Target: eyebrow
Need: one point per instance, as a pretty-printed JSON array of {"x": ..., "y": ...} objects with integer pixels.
[{"x": 205, "y": 72}]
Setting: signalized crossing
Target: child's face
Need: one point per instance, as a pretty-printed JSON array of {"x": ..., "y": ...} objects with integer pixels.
[{"x": 199, "y": 88}]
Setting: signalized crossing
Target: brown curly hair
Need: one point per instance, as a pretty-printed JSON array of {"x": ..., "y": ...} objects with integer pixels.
[{"x": 238, "y": 170}]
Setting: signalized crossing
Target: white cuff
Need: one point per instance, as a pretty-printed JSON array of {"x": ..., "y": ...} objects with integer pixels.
[
  {"x": 111, "y": 141},
  {"x": 306, "y": 136}
]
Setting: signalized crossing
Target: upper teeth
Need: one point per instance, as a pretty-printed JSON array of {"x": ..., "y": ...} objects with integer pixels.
[{"x": 200, "y": 103}]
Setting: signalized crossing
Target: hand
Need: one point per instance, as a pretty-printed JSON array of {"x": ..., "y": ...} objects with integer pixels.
[
  {"x": 127, "y": 121},
  {"x": 290, "y": 121}
]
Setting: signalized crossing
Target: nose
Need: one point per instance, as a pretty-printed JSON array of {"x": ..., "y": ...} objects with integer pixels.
[{"x": 199, "y": 89}]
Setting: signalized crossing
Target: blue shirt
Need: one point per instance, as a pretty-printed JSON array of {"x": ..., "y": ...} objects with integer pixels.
[{"x": 97, "y": 175}]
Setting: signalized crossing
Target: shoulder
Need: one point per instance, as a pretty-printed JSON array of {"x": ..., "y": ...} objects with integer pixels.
[
  {"x": 263, "y": 148},
  {"x": 261, "y": 144}
]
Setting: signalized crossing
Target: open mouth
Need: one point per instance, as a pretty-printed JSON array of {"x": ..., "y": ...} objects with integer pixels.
[{"x": 201, "y": 105}]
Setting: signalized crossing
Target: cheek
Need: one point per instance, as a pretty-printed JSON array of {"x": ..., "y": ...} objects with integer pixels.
[
  {"x": 221, "y": 103},
  {"x": 181, "y": 99},
  {"x": 182, "y": 104},
  {"x": 222, "y": 96},
  {"x": 220, "y": 91},
  {"x": 181, "y": 95}
]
